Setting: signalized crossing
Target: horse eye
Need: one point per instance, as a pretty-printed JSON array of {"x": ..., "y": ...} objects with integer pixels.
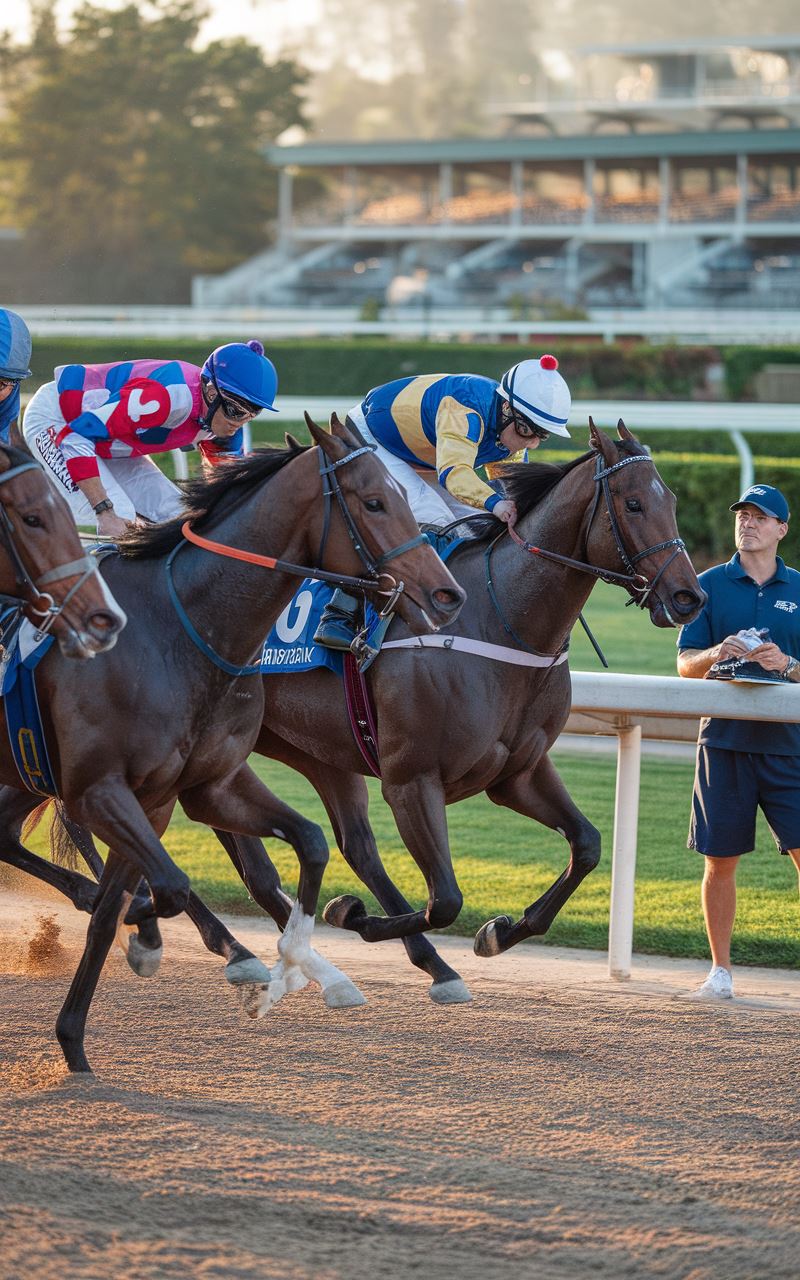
[
  {"x": 633, "y": 504},
  {"x": 33, "y": 522},
  {"x": 374, "y": 504}
]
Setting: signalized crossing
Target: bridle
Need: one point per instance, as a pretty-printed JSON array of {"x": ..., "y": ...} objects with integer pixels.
[
  {"x": 374, "y": 567},
  {"x": 639, "y": 586},
  {"x": 40, "y": 603}
]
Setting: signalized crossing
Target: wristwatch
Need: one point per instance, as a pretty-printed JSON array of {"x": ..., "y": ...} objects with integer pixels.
[
  {"x": 790, "y": 667},
  {"x": 105, "y": 505}
]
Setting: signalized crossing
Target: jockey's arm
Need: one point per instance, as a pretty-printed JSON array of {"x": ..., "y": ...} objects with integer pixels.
[{"x": 459, "y": 431}]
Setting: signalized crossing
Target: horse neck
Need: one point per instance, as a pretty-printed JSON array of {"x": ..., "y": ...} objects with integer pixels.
[
  {"x": 541, "y": 600},
  {"x": 232, "y": 604}
]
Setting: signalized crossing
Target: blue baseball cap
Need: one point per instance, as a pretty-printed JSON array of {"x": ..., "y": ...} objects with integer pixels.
[{"x": 770, "y": 501}]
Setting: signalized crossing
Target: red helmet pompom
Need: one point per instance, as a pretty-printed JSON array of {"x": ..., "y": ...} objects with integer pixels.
[{"x": 548, "y": 362}]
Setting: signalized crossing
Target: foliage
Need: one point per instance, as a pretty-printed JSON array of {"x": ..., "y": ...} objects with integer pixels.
[
  {"x": 743, "y": 363},
  {"x": 138, "y": 157},
  {"x": 349, "y": 367}
]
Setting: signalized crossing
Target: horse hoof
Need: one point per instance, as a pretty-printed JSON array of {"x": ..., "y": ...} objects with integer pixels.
[
  {"x": 455, "y": 991},
  {"x": 343, "y": 995},
  {"x": 249, "y": 970},
  {"x": 489, "y": 938},
  {"x": 342, "y": 911},
  {"x": 144, "y": 961}
]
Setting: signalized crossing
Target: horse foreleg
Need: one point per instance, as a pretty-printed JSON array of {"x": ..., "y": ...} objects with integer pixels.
[
  {"x": 419, "y": 811},
  {"x": 541, "y": 794},
  {"x": 242, "y": 804},
  {"x": 118, "y": 879},
  {"x": 346, "y": 799}
]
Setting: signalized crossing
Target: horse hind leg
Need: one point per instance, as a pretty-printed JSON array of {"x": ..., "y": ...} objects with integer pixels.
[
  {"x": 346, "y": 799},
  {"x": 16, "y": 809},
  {"x": 541, "y": 794}
]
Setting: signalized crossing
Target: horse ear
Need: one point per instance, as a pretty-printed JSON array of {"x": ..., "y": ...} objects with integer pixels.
[
  {"x": 345, "y": 431},
  {"x": 5, "y": 461},
  {"x": 623, "y": 432},
  {"x": 292, "y": 442},
  {"x": 323, "y": 438},
  {"x": 599, "y": 440}
]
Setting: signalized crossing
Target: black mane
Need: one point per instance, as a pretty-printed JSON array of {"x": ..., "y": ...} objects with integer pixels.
[
  {"x": 527, "y": 483},
  {"x": 205, "y": 498}
]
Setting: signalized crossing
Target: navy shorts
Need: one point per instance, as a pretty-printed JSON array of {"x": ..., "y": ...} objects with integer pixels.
[{"x": 729, "y": 787}]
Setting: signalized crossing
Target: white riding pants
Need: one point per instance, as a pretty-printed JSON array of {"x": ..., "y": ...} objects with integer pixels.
[
  {"x": 135, "y": 485},
  {"x": 426, "y": 498}
]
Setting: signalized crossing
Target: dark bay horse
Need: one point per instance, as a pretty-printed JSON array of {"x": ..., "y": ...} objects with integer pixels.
[
  {"x": 174, "y": 711},
  {"x": 452, "y": 724},
  {"x": 40, "y": 547}
]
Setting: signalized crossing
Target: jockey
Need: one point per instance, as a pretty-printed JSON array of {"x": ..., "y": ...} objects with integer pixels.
[
  {"x": 93, "y": 426},
  {"x": 447, "y": 425},
  {"x": 15, "y": 358}
]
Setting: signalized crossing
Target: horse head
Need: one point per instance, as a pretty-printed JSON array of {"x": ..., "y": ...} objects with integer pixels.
[
  {"x": 376, "y": 528},
  {"x": 641, "y": 529},
  {"x": 40, "y": 548}
]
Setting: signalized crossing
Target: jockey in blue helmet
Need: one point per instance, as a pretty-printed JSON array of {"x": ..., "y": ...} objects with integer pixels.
[
  {"x": 94, "y": 425},
  {"x": 15, "y": 358}
]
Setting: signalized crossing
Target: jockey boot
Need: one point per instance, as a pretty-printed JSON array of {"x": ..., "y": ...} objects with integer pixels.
[{"x": 339, "y": 622}]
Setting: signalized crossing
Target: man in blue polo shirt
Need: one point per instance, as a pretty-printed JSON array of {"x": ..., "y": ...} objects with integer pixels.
[{"x": 744, "y": 764}]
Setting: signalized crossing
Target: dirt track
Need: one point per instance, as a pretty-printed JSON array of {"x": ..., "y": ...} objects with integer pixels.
[{"x": 557, "y": 1127}]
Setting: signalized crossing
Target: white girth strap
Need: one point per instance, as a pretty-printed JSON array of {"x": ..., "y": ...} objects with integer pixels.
[{"x": 497, "y": 652}]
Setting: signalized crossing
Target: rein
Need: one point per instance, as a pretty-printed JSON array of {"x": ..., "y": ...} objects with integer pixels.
[
  {"x": 373, "y": 566},
  {"x": 84, "y": 566},
  {"x": 638, "y": 584}
]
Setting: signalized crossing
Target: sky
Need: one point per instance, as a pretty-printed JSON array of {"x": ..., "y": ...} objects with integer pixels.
[{"x": 270, "y": 23}]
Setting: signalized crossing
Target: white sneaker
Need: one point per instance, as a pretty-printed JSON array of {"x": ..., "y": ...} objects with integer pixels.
[{"x": 718, "y": 985}]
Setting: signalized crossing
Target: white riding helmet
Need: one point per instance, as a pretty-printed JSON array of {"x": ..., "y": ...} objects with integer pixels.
[{"x": 536, "y": 391}]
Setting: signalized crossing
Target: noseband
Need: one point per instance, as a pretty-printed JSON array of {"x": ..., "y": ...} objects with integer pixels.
[
  {"x": 84, "y": 566},
  {"x": 639, "y": 586}
]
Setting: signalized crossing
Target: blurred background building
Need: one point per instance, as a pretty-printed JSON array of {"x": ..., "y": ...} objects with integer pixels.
[{"x": 650, "y": 175}]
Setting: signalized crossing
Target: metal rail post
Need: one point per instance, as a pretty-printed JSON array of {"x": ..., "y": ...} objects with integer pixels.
[{"x": 623, "y": 866}]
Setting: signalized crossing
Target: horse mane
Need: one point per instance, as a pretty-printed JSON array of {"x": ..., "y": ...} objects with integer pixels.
[
  {"x": 205, "y": 497},
  {"x": 527, "y": 483}
]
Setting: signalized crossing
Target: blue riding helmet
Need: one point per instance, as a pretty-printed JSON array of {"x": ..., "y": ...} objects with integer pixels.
[
  {"x": 15, "y": 346},
  {"x": 241, "y": 369}
]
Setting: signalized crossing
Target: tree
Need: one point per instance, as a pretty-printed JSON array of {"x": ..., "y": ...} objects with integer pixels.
[{"x": 137, "y": 156}]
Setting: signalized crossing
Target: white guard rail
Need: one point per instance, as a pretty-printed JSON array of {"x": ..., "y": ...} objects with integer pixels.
[{"x": 665, "y": 707}]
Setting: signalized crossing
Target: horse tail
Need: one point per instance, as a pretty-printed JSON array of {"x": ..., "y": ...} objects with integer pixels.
[
  {"x": 64, "y": 850},
  {"x": 34, "y": 818}
]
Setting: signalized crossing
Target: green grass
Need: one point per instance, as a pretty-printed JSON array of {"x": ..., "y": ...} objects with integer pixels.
[{"x": 503, "y": 862}]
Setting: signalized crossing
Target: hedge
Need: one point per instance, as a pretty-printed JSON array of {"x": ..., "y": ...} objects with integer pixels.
[
  {"x": 350, "y": 367},
  {"x": 743, "y": 363}
]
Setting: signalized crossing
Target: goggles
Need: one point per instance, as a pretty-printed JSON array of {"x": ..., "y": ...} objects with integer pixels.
[
  {"x": 6, "y": 383},
  {"x": 233, "y": 408},
  {"x": 523, "y": 426}
]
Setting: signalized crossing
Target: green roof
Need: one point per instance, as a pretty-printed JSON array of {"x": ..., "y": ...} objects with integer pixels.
[{"x": 628, "y": 146}]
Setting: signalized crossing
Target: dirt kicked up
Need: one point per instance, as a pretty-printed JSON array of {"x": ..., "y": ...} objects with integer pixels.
[{"x": 557, "y": 1127}]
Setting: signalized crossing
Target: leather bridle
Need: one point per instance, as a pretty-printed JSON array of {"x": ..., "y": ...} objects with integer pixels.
[{"x": 38, "y": 602}]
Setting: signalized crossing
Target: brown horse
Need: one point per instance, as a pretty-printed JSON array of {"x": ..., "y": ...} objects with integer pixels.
[
  {"x": 40, "y": 547},
  {"x": 175, "y": 710},
  {"x": 453, "y": 723}
]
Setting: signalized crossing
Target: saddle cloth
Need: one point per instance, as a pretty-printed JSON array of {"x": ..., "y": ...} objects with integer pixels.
[{"x": 23, "y": 648}]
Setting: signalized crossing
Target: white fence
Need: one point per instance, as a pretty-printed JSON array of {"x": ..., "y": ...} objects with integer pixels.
[
  {"x": 681, "y": 326},
  {"x": 666, "y": 707}
]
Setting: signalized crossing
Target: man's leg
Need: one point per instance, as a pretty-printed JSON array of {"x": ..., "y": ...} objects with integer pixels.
[
  {"x": 794, "y": 854},
  {"x": 718, "y": 895}
]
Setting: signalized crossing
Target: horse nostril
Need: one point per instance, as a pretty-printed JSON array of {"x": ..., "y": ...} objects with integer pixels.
[
  {"x": 447, "y": 599},
  {"x": 685, "y": 601},
  {"x": 103, "y": 623}
]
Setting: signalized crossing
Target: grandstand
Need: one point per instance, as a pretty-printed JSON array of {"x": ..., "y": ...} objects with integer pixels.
[{"x": 628, "y": 183}]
